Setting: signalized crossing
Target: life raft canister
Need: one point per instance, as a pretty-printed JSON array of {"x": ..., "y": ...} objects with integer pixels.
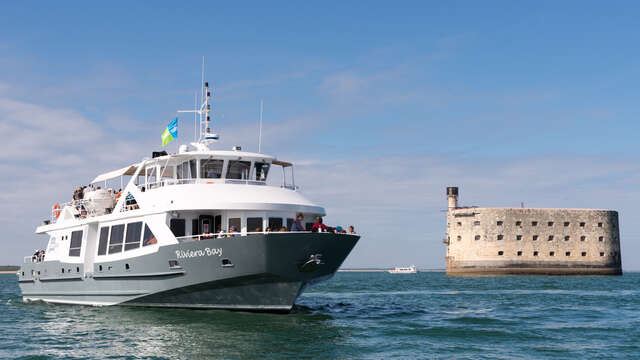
[{"x": 56, "y": 210}]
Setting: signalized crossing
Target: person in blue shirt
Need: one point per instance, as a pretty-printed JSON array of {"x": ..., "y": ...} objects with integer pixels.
[{"x": 297, "y": 224}]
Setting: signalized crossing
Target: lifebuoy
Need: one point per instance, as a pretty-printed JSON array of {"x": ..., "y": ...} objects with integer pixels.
[{"x": 56, "y": 210}]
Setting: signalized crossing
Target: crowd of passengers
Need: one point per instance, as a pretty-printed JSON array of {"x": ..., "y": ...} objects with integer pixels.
[
  {"x": 38, "y": 256},
  {"x": 318, "y": 226}
]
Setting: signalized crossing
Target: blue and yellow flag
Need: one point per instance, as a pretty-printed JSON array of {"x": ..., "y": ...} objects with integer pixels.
[{"x": 170, "y": 133}]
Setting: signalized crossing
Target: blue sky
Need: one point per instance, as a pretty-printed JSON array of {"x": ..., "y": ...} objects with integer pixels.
[{"x": 381, "y": 104}]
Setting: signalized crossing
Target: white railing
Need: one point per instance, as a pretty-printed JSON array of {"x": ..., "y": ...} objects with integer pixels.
[
  {"x": 192, "y": 238},
  {"x": 169, "y": 182}
]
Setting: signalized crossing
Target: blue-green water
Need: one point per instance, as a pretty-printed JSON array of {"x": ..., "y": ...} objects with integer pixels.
[{"x": 354, "y": 315}]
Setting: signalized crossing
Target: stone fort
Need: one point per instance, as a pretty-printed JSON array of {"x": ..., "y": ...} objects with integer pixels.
[{"x": 482, "y": 240}]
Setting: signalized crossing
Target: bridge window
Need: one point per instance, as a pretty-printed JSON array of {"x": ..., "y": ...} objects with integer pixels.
[
  {"x": 238, "y": 170},
  {"x": 148, "y": 238},
  {"x": 132, "y": 241},
  {"x": 115, "y": 241},
  {"x": 261, "y": 171},
  {"x": 76, "y": 243},
  {"x": 211, "y": 169},
  {"x": 254, "y": 224},
  {"x": 104, "y": 238}
]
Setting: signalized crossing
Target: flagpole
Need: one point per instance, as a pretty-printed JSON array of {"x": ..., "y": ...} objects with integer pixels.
[{"x": 260, "y": 130}]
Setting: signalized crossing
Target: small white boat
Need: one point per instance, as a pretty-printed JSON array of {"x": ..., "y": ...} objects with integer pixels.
[{"x": 404, "y": 270}]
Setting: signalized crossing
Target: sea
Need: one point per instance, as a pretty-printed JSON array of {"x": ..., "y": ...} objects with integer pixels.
[{"x": 353, "y": 316}]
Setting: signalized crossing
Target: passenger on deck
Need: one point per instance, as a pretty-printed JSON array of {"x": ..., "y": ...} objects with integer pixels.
[
  {"x": 352, "y": 230},
  {"x": 297, "y": 224},
  {"x": 34, "y": 258},
  {"x": 283, "y": 229},
  {"x": 319, "y": 226},
  {"x": 268, "y": 229},
  {"x": 232, "y": 231},
  {"x": 41, "y": 256}
]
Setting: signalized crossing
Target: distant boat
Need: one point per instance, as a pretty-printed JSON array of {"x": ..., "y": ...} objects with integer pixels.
[{"x": 404, "y": 270}]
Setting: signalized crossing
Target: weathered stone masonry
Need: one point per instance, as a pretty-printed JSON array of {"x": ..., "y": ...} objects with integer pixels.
[{"x": 531, "y": 241}]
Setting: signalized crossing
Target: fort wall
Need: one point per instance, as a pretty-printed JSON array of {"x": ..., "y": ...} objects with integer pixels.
[{"x": 531, "y": 241}]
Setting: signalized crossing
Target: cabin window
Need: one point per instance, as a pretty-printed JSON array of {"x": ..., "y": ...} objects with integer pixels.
[
  {"x": 193, "y": 168},
  {"x": 289, "y": 223},
  {"x": 211, "y": 169},
  {"x": 194, "y": 227},
  {"x": 308, "y": 226},
  {"x": 132, "y": 241},
  {"x": 115, "y": 240},
  {"x": 234, "y": 222},
  {"x": 261, "y": 171},
  {"x": 177, "y": 227},
  {"x": 179, "y": 174},
  {"x": 76, "y": 243},
  {"x": 276, "y": 223},
  {"x": 148, "y": 238},
  {"x": 104, "y": 239},
  {"x": 238, "y": 170},
  {"x": 254, "y": 224}
]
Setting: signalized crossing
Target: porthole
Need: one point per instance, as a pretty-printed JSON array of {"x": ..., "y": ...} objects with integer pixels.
[
  {"x": 126, "y": 266},
  {"x": 63, "y": 270},
  {"x": 227, "y": 263},
  {"x": 77, "y": 269},
  {"x": 99, "y": 267}
]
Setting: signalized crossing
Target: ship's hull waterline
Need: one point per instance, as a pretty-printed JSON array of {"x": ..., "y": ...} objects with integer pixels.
[{"x": 260, "y": 272}]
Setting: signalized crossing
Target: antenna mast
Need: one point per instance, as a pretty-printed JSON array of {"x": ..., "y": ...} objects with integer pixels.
[
  {"x": 206, "y": 136},
  {"x": 260, "y": 129}
]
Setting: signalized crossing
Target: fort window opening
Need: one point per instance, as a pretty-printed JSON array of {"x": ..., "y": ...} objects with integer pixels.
[
  {"x": 459, "y": 237},
  {"x": 534, "y": 223},
  {"x": 550, "y": 223},
  {"x": 459, "y": 223},
  {"x": 600, "y": 224},
  {"x": 519, "y": 253},
  {"x": 601, "y": 238},
  {"x": 583, "y": 238},
  {"x": 581, "y": 224},
  {"x": 550, "y": 237},
  {"x": 500, "y": 253},
  {"x": 477, "y": 237},
  {"x": 584, "y": 253},
  {"x": 518, "y": 223},
  {"x": 518, "y": 237},
  {"x": 601, "y": 253},
  {"x": 566, "y": 223},
  {"x": 566, "y": 238},
  {"x": 568, "y": 253},
  {"x": 500, "y": 237},
  {"x": 535, "y": 237},
  {"x": 476, "y": 223},
  {"x": 552, "y": 253},
  {"x": 535, "y": 253},
  {"x": 499, "y": 223}
]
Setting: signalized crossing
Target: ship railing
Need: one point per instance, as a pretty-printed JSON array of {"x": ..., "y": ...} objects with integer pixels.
[
  {"x": 169, "y": 182},
  {"x": 83, "y": 211},
  {"x": 192, "y": 238},
  {"x": 28, "y": 259}
]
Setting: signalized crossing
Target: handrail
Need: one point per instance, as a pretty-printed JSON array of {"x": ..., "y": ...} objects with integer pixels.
[
  {"x": 192, "y": 238},
  {"x": 169, "y": 182}
]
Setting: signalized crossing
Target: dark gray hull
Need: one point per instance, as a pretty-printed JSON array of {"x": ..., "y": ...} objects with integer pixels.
[{"x": 264, "y": 272}]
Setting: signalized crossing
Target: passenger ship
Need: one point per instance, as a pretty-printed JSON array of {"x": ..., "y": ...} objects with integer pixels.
[{"x": 188, "y": 230}]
